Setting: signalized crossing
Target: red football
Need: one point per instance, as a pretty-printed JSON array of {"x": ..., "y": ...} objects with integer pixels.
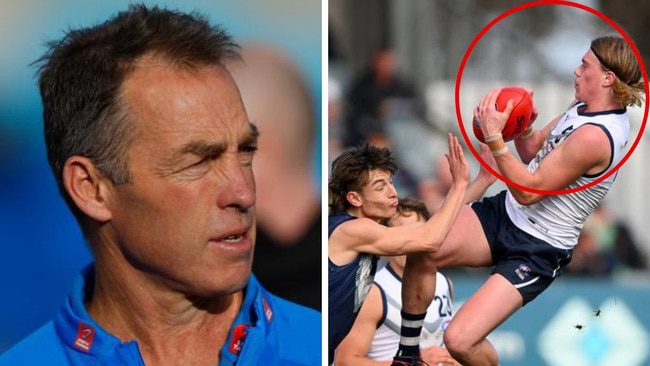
[{"x": 519, "y": 118}]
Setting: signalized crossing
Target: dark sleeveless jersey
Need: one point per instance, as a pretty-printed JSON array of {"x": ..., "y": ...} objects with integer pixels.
[{"x": 349, "y": 285}]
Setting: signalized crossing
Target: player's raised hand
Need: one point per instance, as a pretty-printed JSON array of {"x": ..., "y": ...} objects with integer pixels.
[{"x": 457, "y": 164}]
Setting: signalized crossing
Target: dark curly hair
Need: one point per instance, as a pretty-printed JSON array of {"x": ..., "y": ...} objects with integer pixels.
[{"x": 351, "y": 171}]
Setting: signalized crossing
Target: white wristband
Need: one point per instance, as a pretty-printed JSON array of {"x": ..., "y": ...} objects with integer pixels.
[
  {"x": 500, "y": 151},
  {"x": 491, "y": 138}
]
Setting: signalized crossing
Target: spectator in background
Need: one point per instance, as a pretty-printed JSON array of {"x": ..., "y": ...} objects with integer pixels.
[
  {"x": 433, "y": 190},
  {"x": 587, "y": 259},
  {"x": 288, "y": 246},
  {"x": 152, "y": 150},
  {"x": 376, "y": 93},
  {"x": 606, "y": 247},
  {"x": 334, "y": 111},
  {"x": 375, "y": 334}
]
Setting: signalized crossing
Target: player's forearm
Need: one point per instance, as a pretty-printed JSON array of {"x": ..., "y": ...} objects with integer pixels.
[
  {"x": 440, "y": 223},
  {"x": 477, "y": 188},
  {"x": 514, "y": 171},
  {"x": 528, "y": 145}
]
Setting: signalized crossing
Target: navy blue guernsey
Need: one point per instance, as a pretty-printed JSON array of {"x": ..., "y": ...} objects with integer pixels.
[{"x": 349, "y": 285}]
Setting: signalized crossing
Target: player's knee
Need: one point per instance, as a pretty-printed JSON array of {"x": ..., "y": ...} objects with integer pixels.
[{"x": 457, "y": 344}]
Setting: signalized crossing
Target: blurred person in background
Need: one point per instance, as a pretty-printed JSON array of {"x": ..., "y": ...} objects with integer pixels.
[
  {"x": 334, "y": 111},
  {"x": 288, "y": 246},
  {"x": 606, "y": 247},
  {"x": 374, "y": 94},
  {"x": 376, "y": 97},
  {"x": 152, "y": 150},
  {"x": 375, "y": 334},
  {"x": 433, "y": 190}
]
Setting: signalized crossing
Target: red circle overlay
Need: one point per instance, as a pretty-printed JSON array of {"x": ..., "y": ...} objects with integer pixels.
[{"x": 478, "y": 38}]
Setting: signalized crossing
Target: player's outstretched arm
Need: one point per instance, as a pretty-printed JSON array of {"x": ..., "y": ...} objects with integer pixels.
[
  {"x": 484, "y": 179},
  {"x": 440, "y": 223},
  {"x": 367, "y": 236}
]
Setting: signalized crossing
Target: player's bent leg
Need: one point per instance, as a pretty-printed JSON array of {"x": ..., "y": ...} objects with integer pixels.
[
  {"x": 418, "y": 290},
  {"x": 491, "y": 305},
  {"x": 465, "y": 244},
  {"x": 418, "y": 282}
]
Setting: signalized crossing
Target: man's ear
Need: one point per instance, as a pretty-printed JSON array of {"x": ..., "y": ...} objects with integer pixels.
[
  {"x": 87, "y": 187},
  {"x": 608, "y": 78},
  {"x": 354, "y": 198}
]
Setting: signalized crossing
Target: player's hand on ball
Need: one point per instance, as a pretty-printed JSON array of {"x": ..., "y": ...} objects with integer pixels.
[
  {"x": 490, "y": 119},
  {"x": 507, "y": 111}
]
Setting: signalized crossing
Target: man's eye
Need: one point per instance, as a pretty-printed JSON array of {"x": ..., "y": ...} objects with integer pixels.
[
  {"x": 198, "y": 163},
  {"x": 250, "y": 149},
  {"x": 247, "y": 153}
]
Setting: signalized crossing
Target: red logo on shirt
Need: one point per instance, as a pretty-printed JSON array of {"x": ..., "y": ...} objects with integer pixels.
[
  {"x": 238, "y": 338},
  {"x": 267, "y": 310},
  {"x": 85, "y": 337}
]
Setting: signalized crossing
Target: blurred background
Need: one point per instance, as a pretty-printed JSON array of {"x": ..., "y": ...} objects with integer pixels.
[
  {"x": 392, "y": 72},
  {"x": 41, "y": 247}
]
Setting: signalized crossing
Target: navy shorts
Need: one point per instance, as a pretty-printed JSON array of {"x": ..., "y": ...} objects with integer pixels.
[{"x": 529, "y": 263}]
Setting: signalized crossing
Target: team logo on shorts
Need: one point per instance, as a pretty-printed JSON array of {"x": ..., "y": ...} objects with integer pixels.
[{"x": 522, "y": 271}]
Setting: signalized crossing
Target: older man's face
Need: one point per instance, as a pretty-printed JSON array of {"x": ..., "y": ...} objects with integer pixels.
[{"x": 187, "y": 217}]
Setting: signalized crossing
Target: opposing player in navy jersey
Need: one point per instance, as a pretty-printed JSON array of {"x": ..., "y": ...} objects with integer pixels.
[
  {"x": 528, "y": 237},
  {"x": 362, "y": 194},
  {"x": 375, "y": 335}
]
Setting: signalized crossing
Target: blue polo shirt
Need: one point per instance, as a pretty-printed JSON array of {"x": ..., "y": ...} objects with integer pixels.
[{"x": 267, "y": 331}]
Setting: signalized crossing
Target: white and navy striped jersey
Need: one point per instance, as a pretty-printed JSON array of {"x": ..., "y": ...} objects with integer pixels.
[
  {"x": 386, "y": 339},
  {"x": 558, "y": 219}
]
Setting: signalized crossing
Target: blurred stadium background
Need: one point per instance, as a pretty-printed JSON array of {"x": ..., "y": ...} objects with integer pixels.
[
  {"x": 538, "y": 47},
  {"x": 41, "y": 248}
]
